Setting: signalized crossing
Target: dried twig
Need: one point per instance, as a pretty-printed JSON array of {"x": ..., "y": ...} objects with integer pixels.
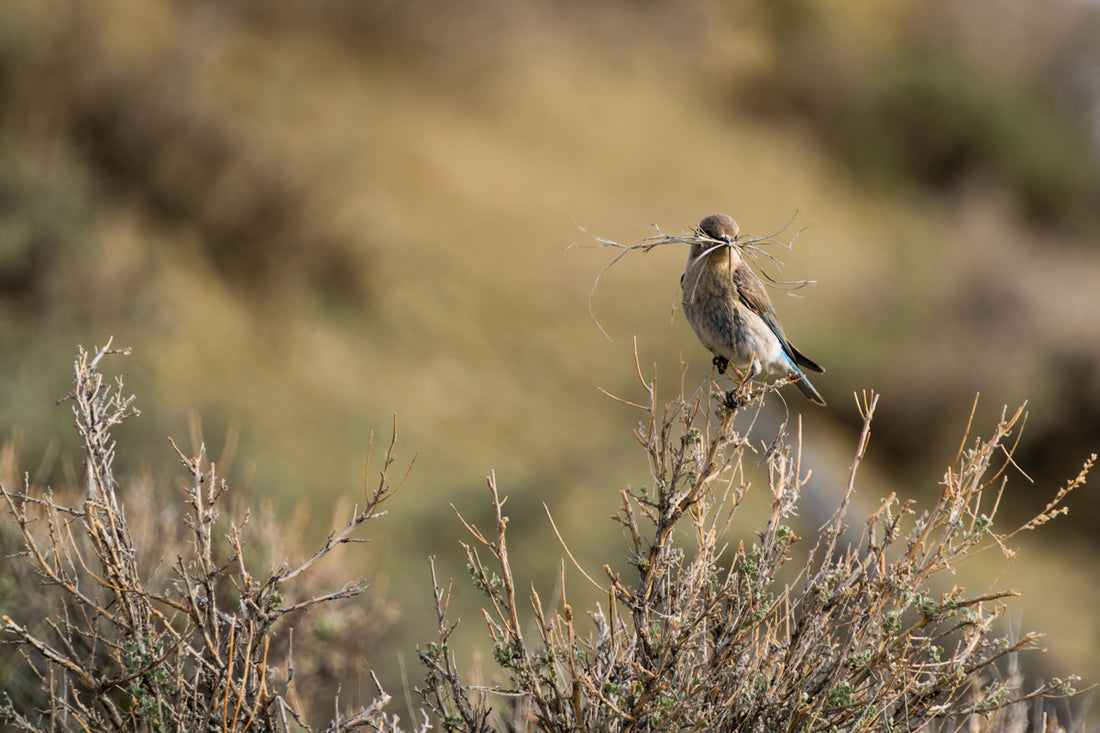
[
  {"x": 716, "y": 634},
  {"x": 752, "y": 248},
  {"x": 189, "y": 651}
]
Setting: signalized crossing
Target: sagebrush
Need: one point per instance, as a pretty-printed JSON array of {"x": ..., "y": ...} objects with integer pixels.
[
  {"x": 133, "y": 615},
  {"x": 128, "y": 636},
  {"x": 711, "y": 632}
]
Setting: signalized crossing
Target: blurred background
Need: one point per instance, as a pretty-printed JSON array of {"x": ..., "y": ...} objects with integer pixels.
[{"x": 306, "y": 217}]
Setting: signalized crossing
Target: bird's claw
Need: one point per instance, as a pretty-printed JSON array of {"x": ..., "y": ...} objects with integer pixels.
[{"x": 736, "y": 398}]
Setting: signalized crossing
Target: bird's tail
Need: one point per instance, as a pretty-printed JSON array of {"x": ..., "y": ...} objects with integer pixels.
[{"x": 807, "y": 389}]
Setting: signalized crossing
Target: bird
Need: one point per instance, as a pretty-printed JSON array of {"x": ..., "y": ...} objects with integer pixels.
[{"x": 731, "y": 313}]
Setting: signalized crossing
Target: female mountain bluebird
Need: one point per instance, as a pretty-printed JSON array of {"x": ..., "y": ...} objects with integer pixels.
[{"x": 731, "y": 313}]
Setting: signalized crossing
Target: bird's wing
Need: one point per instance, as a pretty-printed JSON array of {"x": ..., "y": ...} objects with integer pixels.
[{"x": 752, "y": 293}]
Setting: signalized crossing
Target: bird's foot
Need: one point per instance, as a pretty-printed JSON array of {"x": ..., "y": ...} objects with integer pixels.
[
  {"x": 721, "y": 363},
  {"x": 736, "y": 398},
  {"x": 742, "y": 394}
]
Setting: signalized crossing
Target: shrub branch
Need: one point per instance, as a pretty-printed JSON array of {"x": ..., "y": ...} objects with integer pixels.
[
  {"x": 120, "y": 650},
  {"x": 852, "y": 632}
]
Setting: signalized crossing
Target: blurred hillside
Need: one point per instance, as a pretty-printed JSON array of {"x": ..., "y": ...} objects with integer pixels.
[{"x": 308, "y": 216}]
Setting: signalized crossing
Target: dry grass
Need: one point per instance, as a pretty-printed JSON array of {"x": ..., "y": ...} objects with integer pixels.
[{"x": 751, "y": 247}]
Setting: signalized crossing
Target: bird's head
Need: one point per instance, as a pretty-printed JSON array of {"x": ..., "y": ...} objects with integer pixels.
[{"x": 721, "y": 227}]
